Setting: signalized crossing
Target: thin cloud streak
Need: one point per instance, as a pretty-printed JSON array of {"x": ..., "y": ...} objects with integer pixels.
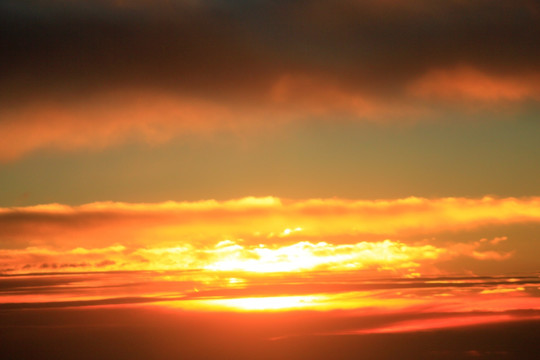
[
  {"x": 272, "y": 216},
  {"x": 369, "y": 306},
  {"x": 472, "y": 86}
]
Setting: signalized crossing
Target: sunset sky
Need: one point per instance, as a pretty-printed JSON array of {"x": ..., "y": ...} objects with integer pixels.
[{"x": 301, "y": 179}]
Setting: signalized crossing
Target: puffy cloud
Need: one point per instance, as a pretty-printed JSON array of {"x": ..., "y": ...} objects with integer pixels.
[{"x": 230, "y": 256}]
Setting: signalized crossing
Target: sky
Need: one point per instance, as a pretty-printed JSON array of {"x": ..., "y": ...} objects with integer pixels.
[{"x": 353, "y": 171}]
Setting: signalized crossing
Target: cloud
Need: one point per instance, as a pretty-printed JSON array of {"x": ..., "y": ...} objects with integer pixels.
[
  {"x": 365, "y": 305},
  {"x": 477, "y": 250},
  {"x": 469, "y": 84},
  {"x": 87, "y": 74},
  {"x": 301, "y": 256},
  {"x": 268, "y": 217},
  {"x": 382, "y": 256},
  {"x": 255, "y": 234},
  {"x": 304, "y": 96},
  {"x": 50, "y": 259},
  {"x": 109, "y": 119}
]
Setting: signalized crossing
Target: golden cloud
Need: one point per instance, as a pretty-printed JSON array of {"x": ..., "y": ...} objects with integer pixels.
[
  {"x": 254, "y": 234},
  {"x": 270, "y": 217}
]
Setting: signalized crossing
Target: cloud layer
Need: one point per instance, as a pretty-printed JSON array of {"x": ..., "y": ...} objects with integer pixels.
[
  {"x": 92, "y": 74},
  {"x": 255, "y": 234}
]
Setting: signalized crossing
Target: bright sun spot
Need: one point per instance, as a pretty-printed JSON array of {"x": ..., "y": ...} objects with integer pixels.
[{"x": 267, "y": 303}]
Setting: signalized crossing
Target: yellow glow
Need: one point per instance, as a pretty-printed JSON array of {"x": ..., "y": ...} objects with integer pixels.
[
  {"x": 236, "y": 256},
  {"x": 234, "y": 281},
  {"x": 374, "y": 301},
  {"x": 269, "y": 303},
  {"x": 305, "y": 255},
  {"x": 261, "y": 235}
]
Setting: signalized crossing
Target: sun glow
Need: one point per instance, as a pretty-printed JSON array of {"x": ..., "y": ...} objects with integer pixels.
[
  {"x": 373, "y": 300},
  {"x": 267, "y": 303},
  {"x": 305, "y": 255},
  {"x": 241, "y": 256},
  {"x": 262, "y": 235}
]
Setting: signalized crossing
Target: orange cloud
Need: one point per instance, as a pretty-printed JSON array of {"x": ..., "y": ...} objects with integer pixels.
[
  {"x": 116, "y": 116},
  {"x": 171, "y": 68},
  {"x": 301, "y": 256},
  {"x": 468, "y": 83},
  {"x": 306, "y": 96},
  {"x": 233, "y": 256},
  {"x": 265, "y": 218},
  {"x": 253, "y": 234},
  {"x": 477, "y": 250},
  {"x": 111, "y": 118}
]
